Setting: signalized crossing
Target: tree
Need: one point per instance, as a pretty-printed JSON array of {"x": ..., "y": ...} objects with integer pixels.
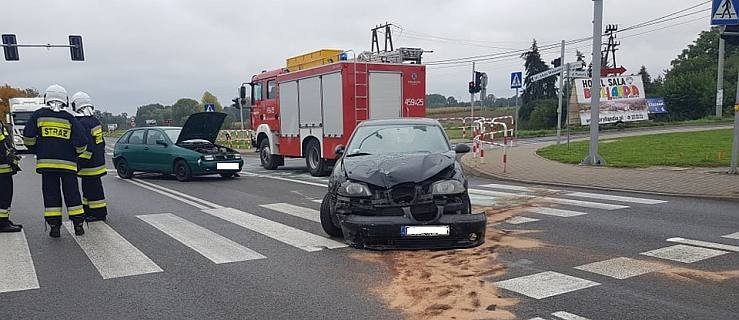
[
  {"x": 31, "y": 93},
  {"x": 435, "y": 100},
  {"x": 544, "y": 114},
  {"x": 182, "y": 109},
  {"x": 489, "y": 100},
  {"x": 451, "y": 100},
  {"x": 542, "y": 89},
  {"x": 152, "y": 111},
  {"x": 645, "y": 76},
  {"x": 209, "y": 98},
  {"x": 6, "y": 93}
]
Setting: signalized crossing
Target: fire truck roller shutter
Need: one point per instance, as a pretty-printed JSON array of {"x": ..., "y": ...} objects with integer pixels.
[
  {"x": 310, "y": 102},
  {"x": 385, "y": 95},
  {"x": 289, "y": 108},
  {"x": 333, "y": 111}
]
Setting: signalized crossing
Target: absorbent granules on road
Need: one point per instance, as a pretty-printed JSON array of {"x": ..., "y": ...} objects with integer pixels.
[{"x": 452, "y": 284}]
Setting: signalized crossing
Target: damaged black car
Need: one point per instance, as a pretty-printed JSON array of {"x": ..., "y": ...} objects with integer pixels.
[{"x": 398, "y": 185}]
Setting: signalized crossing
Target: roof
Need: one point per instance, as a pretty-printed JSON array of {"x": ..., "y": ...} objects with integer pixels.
[{"x": 400, "y": 121}]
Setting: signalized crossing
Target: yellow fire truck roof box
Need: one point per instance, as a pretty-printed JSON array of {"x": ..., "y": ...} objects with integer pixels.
[{"x": 313, "y": 59}]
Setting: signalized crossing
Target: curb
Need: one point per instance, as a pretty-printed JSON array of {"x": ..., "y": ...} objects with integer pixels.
[{"x": 484, "y": 174}]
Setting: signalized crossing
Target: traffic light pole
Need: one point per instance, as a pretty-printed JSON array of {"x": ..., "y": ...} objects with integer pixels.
[
  {"x": 594, "y": 158},
  {"x": 472, "y": 100},
  {"x": 559, "y": 94}
]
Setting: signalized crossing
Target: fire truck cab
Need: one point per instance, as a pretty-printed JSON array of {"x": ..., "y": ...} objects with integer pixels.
[{"x": 311, "y": 113}]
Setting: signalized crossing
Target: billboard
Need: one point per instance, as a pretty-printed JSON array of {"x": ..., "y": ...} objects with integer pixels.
[
  {"x": 622, "y": 99},
  {"x": 656, "y": 105}
]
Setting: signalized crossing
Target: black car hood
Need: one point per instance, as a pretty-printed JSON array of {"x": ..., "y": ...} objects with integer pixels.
[
  {"x": 203, "y": 125},
  {"x": 389, "y": 170}
]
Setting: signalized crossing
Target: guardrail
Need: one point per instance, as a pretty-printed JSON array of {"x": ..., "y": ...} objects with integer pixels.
[{"x": 487, "y": 129}]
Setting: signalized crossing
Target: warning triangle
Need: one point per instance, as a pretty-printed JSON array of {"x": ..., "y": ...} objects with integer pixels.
[{"x": 725, "y": 11}]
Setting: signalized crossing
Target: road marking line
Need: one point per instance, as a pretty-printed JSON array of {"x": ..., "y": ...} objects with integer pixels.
[
  {"x": 545, "y": 284},
  {"x": 285, "y": 179},
  {"x": 537, "y": 318},
  {"x": 577, "y": 203},
  {"x": 318, "y": 200},
  {"x": 568, "y": 316},
  {"x": 111, "y": 254},
  {"x": 683, "y": 253},
  {"x": 16, "y": 263},
  {"x": 713, "y": 245},
  {"x": 734, "y": 235},
  {"x": 296, "y": 211},
  {"x": 280, "y": 232},
  {"x": 166, "y": 194},
  {"x": 520, "y": 220},
  {"x": 515, "y": 188},
  {"x": 187, "y": 196},
  {"x": 621, "y": 268},
  {"x": 211, "y": 245},
  {"x": 555, "y": 212},
  {"x": 480, "y": 200},
  {"x": 614, "y": 198}
]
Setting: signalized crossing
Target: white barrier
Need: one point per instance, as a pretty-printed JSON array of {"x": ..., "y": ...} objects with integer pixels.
[{"x": 489, "y": 128}]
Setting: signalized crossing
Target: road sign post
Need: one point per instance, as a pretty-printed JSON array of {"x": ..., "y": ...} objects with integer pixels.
[
  {"x": 720, "y": 78},
  {"x": 559, "y": 93},
  {"x": 594, "y": 158},
  {"x": 724, "y": 13},
  {"x": 516, "y": 83},
  {"x": 735, "y": 142}
]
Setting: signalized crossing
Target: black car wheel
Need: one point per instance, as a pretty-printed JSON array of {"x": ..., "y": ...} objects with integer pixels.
[
  {"x": 269, "y": 161},
  {"x": 317, "y": 166},
  {"x": 124, "y": 171},
  {"x": 329, "y": 220},
  {"x": 182, "y": 171}
]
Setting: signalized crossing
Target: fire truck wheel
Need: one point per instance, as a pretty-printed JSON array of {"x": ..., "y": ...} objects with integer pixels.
[
  {"x": 269, "y": 161},
  {"x": 317, "y": 166}
]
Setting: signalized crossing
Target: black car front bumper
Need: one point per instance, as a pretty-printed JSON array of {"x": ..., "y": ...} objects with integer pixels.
[{"x": 385, "y": 232}]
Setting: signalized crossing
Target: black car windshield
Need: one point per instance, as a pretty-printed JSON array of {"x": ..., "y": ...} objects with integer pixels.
[
  {"x": 173, "y": 134},
  {"x": 387, "y": 139}
]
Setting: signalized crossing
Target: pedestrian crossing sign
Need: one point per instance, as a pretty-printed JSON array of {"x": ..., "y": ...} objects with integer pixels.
[
  {"x": 210, "y": 108},
  {"x": 724, "y": 12},
  {"x": 516, "y": 80}
]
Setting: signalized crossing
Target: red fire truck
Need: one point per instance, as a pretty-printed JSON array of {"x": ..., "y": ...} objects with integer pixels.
[{"x": 309, "y": 113}]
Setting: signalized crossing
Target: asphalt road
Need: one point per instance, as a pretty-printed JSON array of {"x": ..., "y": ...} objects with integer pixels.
[{"x": 250, "y": 248}]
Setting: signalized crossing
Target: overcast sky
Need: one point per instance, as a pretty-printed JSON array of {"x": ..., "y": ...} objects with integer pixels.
[{"x": 139, "y": 52}]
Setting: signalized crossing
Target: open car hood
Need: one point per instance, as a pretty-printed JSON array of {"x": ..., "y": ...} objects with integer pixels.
[
  {"x": 203, "y": 125},
  {"x": 392, "y": 169}
]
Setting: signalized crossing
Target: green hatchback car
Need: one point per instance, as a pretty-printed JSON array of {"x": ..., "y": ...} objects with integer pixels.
[{"x": 184, "y": 152}]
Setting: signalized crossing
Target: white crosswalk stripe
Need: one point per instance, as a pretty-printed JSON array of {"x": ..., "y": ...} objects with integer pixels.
[
  {"x": 296, "y": 211},
  {"x": 564, "y": 315},
  {"x": 280, "y": 232},
  {"x": 110, "y": 253},
  {"x": 16, "y": 265},
  {"x": 684, "y": 254},
  {"x": 571, "y": 202},
  {"x": 621, "y": 268},
  {"x": 515, "y": 188},
  {"x": 556, "y": 212},
  {"x": 211, "y": 245},
  {"x": 520, "y": 220},
  {"x": 601, "y": 196},
  {"x": 734, "y": 235},
  {"x": 713, "y": 245},
  {"x": 545, "y": 284}
]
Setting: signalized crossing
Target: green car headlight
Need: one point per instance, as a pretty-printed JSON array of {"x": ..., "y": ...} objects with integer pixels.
[{"x": 209, "y": 157}]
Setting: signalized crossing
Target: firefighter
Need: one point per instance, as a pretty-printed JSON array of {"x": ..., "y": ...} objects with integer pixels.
[
  {"x": 57, "y": 139},
  {"x": 8, "y": 167},
  {"x": 92, "y": 162}
]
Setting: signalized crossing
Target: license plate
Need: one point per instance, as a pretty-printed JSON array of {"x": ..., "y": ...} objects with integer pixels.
[
  {"x": 424, "y": 231},
  {"x": 227, "y": 166}
]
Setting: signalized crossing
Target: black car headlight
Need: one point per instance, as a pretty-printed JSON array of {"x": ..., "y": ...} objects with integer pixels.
[
  {"x": 447, "y": 187},
  {"x": 354, "y": 189}
]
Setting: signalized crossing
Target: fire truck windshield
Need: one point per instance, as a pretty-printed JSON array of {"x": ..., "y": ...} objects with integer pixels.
[{"x": 20, "y": 118}]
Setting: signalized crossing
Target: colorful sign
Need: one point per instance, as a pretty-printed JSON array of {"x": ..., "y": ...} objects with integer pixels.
[
  {"x": 622, "y": 99},
  {"x": 656, "y": 105}
]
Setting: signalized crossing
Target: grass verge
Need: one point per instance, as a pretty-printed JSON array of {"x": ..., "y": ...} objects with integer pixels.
[{"x": 683, "y": 149}]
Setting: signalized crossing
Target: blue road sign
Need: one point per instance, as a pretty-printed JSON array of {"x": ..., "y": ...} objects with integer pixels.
[
  {"x": 724, "y": 12},
  {"x": 210, "y": 108},
  {"x": 656, "y": 105},
  {"x": 516, "y": 82}
]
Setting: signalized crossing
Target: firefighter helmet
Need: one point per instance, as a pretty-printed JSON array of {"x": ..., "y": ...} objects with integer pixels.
[
  {"x": 82, "y": 103},
  {"x": 56, "y": 97}
]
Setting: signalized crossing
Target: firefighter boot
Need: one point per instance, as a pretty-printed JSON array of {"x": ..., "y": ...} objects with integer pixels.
[
  {"x": 55, "y": 226},
  {"x": 78, "y": 229},
  {"x": 7, "y": 226}
]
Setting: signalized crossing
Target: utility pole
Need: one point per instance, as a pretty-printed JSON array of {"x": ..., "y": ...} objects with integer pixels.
[
  {"x": 720, "y": 80},
  {"x": 594, "y": 158},
  {"x": 735, "y": 143},
  {"x": 559, "y": 94}
]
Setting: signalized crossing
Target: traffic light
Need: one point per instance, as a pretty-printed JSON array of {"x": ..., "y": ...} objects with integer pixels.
[
  {"x": 11, "y": 51},
  {"x": 731, "y": 35},
  {"x": 472, "y": 87},
  {"x": 236, "y": 103},
  {"x": 480, "y": 82},
  {"x": 557, "y": 62},
  {"x": 78, "y": 54}
]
